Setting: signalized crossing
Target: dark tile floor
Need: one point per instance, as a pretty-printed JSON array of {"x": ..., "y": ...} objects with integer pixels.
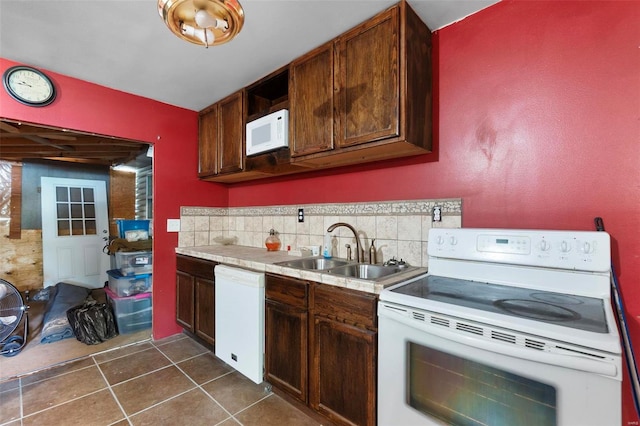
[{"x": 174, "y": 381}]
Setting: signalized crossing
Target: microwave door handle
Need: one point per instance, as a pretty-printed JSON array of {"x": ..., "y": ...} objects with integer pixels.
[{"x": 575, "y": 362}]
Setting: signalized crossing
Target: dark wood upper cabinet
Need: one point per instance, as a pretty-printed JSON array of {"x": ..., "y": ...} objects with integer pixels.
[
  {"x": 365, "y": 96},
  {"x": 221, "y": 137},
  {"x": 311, "y": 99},
  {"x": 231, "y": 134},
  {"x": 208, "y": 142},
  {"x": 368, "y": 83},
  {"x": 382, "y": 91}
]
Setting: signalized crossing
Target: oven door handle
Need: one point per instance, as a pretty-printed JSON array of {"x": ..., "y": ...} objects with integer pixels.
[{"x": 573, "y": 361}]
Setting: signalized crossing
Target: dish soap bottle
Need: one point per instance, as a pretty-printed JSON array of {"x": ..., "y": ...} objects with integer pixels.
[
  {"x": 326, "y": 247},
  {"x": 272, "y": 242}
]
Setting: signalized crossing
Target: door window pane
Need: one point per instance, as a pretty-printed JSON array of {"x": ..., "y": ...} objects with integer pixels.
[
  {"x": 76, "y": 211},
  {"x": 77, "y": 227},
  {"x": 75, "y": 194},
  {"x": 62, "y": 193},
  {"x": 63, "y": 211},
  {"x": 90, "y": 227},
  {"x": 88, "y": 195},
  {"x": 464, "y": 393},
  {"x": 89, "y": 211},
  {"x": 63, "y": 228}
]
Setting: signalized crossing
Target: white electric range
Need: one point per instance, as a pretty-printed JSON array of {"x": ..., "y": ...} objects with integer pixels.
[{"x": 508, "y": 327}]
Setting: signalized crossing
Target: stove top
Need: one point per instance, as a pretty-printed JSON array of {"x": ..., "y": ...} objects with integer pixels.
[
  {"x": 579, "y": 312},
  {"x": 551, "y": 284}
]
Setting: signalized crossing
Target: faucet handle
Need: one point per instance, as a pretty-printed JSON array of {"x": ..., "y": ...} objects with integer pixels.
[{"x": 391, "y": 262}]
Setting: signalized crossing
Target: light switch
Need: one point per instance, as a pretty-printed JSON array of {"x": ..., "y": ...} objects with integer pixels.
[{"x": 173, "y": 225}]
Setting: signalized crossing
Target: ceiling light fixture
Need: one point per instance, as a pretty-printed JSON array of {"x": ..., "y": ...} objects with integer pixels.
[{"x": 206, "y": 22}]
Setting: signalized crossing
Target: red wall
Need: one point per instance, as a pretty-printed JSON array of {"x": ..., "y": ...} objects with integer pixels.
[
  {"x": 538, "y": 122},
  {"x": 173, "y": 131}
]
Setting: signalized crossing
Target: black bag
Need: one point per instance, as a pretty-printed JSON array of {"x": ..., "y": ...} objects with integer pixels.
[{"x": 92, "y": 322}]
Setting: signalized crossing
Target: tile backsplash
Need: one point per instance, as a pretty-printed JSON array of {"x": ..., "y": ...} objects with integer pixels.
[{"x": 400, "y": 228}]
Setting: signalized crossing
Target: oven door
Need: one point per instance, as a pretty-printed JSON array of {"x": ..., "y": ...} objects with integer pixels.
[{"x": 439, "y": 370}]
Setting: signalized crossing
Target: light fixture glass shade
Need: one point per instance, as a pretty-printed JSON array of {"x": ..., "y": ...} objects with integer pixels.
[{"x": 204, "y": 22}]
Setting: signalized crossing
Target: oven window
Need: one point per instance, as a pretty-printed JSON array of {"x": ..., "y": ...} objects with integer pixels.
[{"x": 463, "y": 392}]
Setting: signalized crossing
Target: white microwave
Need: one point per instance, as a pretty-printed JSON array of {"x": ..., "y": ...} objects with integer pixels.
[{"x": 268, "y": 133}]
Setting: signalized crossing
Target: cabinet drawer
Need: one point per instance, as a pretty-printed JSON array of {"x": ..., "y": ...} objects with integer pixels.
[
  {"x": 197, "y": 267},
  {"x": 289, "y": 291},
  {"x": 350, "y": 306}
]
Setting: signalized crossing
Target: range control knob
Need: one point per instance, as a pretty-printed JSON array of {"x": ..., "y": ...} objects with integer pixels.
[
  {"x": 565, "y": 247},
  {"x": 587, "y": 247},
  {"x": 544, "y": 245},
  {"x": 440, "y": 240},
  {"x": 453, "y": 240}
]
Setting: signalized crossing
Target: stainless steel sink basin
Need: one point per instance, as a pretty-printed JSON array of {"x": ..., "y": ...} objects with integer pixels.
[
  {"x": 313, "y": 263},
  {"x": 365, "y": 271}
]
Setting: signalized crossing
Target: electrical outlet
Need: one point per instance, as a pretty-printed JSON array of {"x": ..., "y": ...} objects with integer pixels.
[
  {"x": 437, "y": 214},
  {"x": 300, "y": 215}
]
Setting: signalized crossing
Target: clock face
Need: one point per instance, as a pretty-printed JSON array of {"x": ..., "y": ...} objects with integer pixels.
[{"x": 29, "y": 86}]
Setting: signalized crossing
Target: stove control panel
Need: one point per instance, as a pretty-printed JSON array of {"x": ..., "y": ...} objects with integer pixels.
[{"x": 576, "y": 250}]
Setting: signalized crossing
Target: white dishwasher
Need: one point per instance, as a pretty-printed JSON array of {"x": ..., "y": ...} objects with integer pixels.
[{"x": 239, "y": 319}]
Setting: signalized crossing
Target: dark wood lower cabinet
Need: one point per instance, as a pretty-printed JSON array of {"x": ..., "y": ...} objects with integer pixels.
[
  {"x": 343, "y": 372},
  {"x": 195, "y": 297},
  {"x": 205, "y": 310},
  {"x": 185, "y": 285},
  {"x": 286, "y": 326},
  {"x": 321, "y": 347},
  {"x": 286, "y": 359}
]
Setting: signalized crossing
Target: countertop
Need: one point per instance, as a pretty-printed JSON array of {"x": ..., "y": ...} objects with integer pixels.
[{"x": 261, "y": 260}]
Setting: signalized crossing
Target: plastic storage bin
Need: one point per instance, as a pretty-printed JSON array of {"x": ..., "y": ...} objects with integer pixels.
[
  {"x": 134, "y": 262},
  {"x": 132, "y": 313},
  {"x": 125, "y": 225},
  {"x": 122, "y": 285}
]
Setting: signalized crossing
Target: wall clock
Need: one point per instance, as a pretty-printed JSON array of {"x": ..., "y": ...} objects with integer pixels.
[{"x": 29, "y": 86}]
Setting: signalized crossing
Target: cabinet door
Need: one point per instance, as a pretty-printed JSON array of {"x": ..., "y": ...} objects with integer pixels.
[
  {"x": 185, "y": 285},
  {"x": 286, "y": 348},
  {"x": 205, "y": 305},
  {"x": 342, "y": 379},
  {"x": 368, "y": 82},
  {"x": 230, "y": 134},
  {"x": 311, "y": 102},
  {"x": 207, "y": 142}
]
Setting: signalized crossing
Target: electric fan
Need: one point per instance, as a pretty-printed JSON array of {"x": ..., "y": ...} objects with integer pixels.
[{"x": 12, "y": 309}]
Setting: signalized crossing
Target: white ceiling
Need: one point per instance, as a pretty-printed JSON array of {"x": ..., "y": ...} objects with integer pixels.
[{"x": 124, "y": 45}]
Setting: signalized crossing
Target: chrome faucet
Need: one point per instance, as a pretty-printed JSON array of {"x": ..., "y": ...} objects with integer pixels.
[{"x": 359, "y": 249}]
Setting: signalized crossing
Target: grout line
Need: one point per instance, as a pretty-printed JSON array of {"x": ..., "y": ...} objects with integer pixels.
[
  {"x": 111, "y": 391},
  {"x": 142, "y": 375},
  {"x": 162, "y": 402},
  {"x": 122, "y": 347},
  {"x": 55, "y": 376},
  {"x": 200, "y": 386},
  {"x": 65, "y": 402},
  {"x": 251, "y": 405},
  {"x": 110, "y": 388},
  {"x": 68, "y": 361},
  {"x": 21, "y": 400}
]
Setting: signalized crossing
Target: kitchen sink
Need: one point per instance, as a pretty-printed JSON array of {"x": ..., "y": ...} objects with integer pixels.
[
  {"x": 313, "y": 263},
  {"x": 366, "y": 271}
]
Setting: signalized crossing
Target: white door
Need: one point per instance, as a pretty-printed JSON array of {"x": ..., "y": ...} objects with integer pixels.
[{"x": 74, "y": 231}]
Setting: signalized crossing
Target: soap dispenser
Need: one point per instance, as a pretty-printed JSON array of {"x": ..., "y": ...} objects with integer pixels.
[
  {"x": 272, "y": 242},
  {"x": 326, "y": 247},
  {"x": 373, "y": 255}
]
